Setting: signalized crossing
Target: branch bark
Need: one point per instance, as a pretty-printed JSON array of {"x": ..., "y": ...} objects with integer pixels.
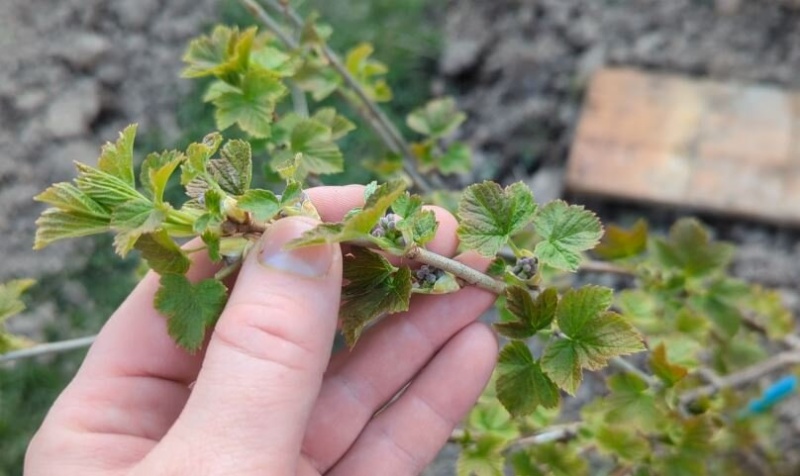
[{"x": 49, "y": 348}]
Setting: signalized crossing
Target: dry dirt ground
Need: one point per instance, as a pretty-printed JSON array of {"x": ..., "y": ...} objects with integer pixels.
[{"x": 73, "y": 73}]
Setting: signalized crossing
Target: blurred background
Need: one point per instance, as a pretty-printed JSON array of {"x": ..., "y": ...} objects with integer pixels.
[{"x": 74, "y": 72}]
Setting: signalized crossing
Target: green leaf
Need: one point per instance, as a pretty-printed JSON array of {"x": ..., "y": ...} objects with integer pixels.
[
  {"x": 521, "y": 384},
  {"x": 531, "y": 315},
  {"x": 489, "y": 417},
  {"x": 275, "y": 61},
  {"x": 55, "y": 225},
  {"x": 117, "y": 159},
  {"x": 690, "y": 249},
  {"x": 68, "y": 198},
  {"x": 579, "y": 307},
  {"x": 234, "y": 170},
  {"x": 374, "y": 288},
  {"x": 197, "y": 157},
  {"x": 263, "y": 204},
  {"x": 483, "y": 458},
  {"x": 250, "y": 106},
  {"x": 10, "y": 297},
  {"x": 340, "y": 126},
  {"x": 593, "y": 336},
  {"x": 190, "y": 309},
  {"x": 213, "y": 245},
  {"x": 662, "y": 368},
  {"x": 632, "y": 404},
  {"x": 621, "y": 442},
  {"x": 725, "y": 315},
  {"x": 618, "y": 243},
  {"x": 438, "y": 118},
  {"x": 223, "y": 53},
  {"x": 490, "y": 215},
  {"x": 566, "y": 230},
  {"x": 690, "y": 455},
  {"x": 162, "y": 254},
  {"x": 131, "y": 220},
  {"x": 456, "y": 160},
  {"x": 313, "y": 141},
  {"x": 157, "y": 169},
  {"x": 317, "y": 78},
  {"x": 357, "y": 225},
  {"x": 551, "y": 459},
  {"x": 104, "y": 188},
  {"x": 368, "y": 72}
]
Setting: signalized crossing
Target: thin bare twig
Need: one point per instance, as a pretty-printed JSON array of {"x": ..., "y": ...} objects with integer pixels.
[
  {"x": 49, "y": 348},
  {"x": 470, "y": 275},
  {"x": 590, "y": 266},
  {"x": 744, "y": 376},
  {"x": 626, "y": 366}
]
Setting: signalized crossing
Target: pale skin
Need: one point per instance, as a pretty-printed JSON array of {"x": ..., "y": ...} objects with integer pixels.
[{"x": 265, "y": 396}]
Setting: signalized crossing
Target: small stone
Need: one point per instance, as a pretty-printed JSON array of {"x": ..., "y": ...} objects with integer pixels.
[
  {"x": 135, "y": 14},
  {"x": 459, "y": 56},
  {"x": 71, "y": 114},
  {"x": 30, "y": 101},
  {"x": 84, "y": 50}
]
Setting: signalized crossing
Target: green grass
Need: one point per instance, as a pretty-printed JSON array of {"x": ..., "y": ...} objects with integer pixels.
[{"x": 404, "y": 39}]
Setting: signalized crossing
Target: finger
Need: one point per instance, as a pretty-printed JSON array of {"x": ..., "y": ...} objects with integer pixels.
[
  {"x": 265, "y": 361},
  {"x": 361, "y": 381},
  {"x": 135, "y": 359},
  {"x": 134, "y": 342},
  {"x": 405, "y": 438}
]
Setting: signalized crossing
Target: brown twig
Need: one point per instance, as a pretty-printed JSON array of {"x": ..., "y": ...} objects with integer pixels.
[
  {"x": 744, "y": 376},
  {"x": 470, "y": 275}
]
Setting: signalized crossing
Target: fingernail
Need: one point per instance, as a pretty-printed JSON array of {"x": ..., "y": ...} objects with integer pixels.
[{"x": 309, "y": 261}]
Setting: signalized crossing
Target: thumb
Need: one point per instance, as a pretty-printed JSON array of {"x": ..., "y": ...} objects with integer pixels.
[{"x": 264, "y": 365}]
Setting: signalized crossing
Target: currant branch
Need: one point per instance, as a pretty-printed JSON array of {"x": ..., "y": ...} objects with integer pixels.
[{"x": 365, "y": 107}]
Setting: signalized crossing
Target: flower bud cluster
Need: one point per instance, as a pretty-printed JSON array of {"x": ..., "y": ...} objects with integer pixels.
[
  {"x": 387, "y": 225},
  {"x": 525, "y": 268},
  {"x": 426, "y": 276}
]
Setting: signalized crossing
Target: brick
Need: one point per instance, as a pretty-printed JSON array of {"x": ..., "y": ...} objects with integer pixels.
[{"x": 666, "y": 139}]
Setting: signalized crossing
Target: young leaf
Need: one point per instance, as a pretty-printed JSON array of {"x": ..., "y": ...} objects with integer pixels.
[
  {"x": 190, "y": 309},
  {"x": 55, "y": 225},
  {"x": 250, "y": 105},
  {"x": 374, "y": 288},
  {"x": 566, "y": 230},
  {"x": 105, "y": 189},
  {"x": 223, "y": 53},
  {"x": 521, "y": 384},
  {"x": 10, "y": 297},
  {"x": 234, "y": 170},
  {"x": 593, "y": 336},
  {"x": 483, "y": 458},
  {"x": 357, "y": 225},
  {"x": 690, "y": 249},
  {"x": 662, "y": 368},
  {"x": 313, "y": 142},
  {"x": 531, "y": 315},
  {"x": 68, "y": 198},
  {"x": 618, "y": 243},
  {"x": 263, "y": 204},
  {"x": 162, "y": 254},
  {"x": 490, "y": 215},
  {"x": 275, "y": 61},
  {"x": 197, "y": 157},
  {"x": 621, "y": 442},
  {"x": 367, "y": 72},
  {"x": 157, "y": 170},
  {"x": 117, "y": 159},
  {"x": 456, "y": 160},
  {"x": 131, "y": 220},
  {"x": 437, "y": 119},
  {"x": 340, "y": 126},
  {"x": 631, "y": 404}
]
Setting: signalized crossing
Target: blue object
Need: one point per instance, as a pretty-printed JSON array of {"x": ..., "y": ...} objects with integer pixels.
[{"x": 773, "y": 394}]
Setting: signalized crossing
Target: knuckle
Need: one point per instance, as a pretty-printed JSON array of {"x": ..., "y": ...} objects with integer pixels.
[{"x": 268, "y": 331}]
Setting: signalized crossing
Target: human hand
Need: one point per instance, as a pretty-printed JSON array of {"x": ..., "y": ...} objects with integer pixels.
[{"x": 265, "y": 396}]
